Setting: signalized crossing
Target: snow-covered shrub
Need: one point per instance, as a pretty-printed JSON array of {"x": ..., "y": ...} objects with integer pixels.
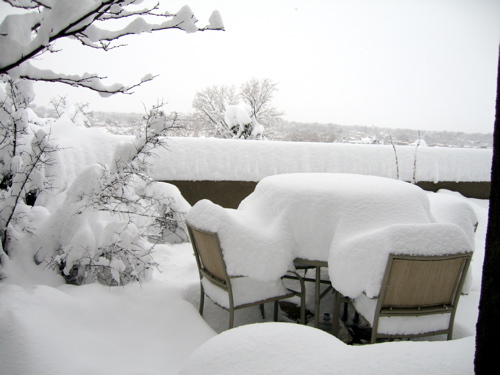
[
  {"x": 123, "y": 187},
  {"x": 113, "y": 215},
  {"x": 90, "y": 218},
  {"x": 77, "y": 113},
  {"x": 242, "y": 123},
  {"x": 91, "y": 244},
  {"x": 25, "y": 152}
]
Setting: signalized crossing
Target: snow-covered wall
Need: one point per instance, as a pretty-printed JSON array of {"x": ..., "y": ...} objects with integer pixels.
[{"x": 197, "y": 159}]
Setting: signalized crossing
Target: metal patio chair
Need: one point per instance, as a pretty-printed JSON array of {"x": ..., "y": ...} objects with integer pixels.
[
  {"x": 233, "y": 292},
  {"x": 419, "y": 296}
]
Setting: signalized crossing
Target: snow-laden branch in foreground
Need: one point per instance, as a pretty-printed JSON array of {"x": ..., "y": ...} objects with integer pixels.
[
  {"x": 28, "y": 35},
  {"x": 86, "y": 80},
  {"x": 29, "y": 4}
]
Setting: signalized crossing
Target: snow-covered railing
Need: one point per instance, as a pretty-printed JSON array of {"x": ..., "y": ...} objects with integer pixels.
[{"x": 202, "y": 159}]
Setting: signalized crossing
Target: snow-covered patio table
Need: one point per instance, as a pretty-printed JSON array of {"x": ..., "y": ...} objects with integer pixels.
[{"x": 350, "y": 221}]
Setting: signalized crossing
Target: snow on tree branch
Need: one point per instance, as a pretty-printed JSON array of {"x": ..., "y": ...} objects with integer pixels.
[
  {"x": 87, "y": 80},
  {"x": 25, "y": 36},
  {"x": 29, "y": 4}
]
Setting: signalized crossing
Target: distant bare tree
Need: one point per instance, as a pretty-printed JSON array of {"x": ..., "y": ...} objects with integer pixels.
[
  {"x": 258, "y": 93},
  {"x": 211, "y": 104}
]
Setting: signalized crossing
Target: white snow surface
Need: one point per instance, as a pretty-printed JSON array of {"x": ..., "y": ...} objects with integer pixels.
[
  {"x": 274, "y": 348},
  {"x": 239, "y": 116},
  {"x": 352, "y": 221},
  {"x": 47, "y": 327},
  {"x": 244, "y": 160}
]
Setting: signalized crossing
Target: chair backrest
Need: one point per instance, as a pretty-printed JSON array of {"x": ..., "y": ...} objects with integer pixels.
[
  {"x": 423, "y": 282},
  {"x": 208, "y": 254}
]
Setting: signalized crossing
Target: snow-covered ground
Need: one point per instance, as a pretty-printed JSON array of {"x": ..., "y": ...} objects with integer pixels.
[
  {"x": 154, "y": 328},
  {"x": 47, "y": 327}
]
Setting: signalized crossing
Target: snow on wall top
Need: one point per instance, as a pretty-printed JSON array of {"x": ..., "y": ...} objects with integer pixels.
[{"x": 236, "y": 160}]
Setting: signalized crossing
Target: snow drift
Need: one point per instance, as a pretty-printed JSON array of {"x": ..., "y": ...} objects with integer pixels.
[{"x": 195, "y": 159}]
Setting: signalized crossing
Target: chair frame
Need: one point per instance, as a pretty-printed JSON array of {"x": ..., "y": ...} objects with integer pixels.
[
  {"x": 212, "y": 267},
  {"x": 443, "y": 277}
]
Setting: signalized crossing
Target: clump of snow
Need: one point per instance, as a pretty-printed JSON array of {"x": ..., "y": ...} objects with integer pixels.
[
  {"x": 185, "y": 19},
  {"x": 450, "y": 207},
  {"x": 16, "y": 31},
  {"x": 357, "y": 264},
  {"x": 245, "y": 290},
  {"x": 242, "y": 122},
  {"x": 419, "y": 143},
  {"x": 409, "y": 325},
  {"x": 272, "y": 348},
  {"x": 232, "y": 160},
  {"x": 238, "y": 115},
  {"x": 215, "y": 20},
  {"x": 238, "y": 230}
]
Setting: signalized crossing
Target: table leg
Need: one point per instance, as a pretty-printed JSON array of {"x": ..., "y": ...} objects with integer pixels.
[
  {"x": 336, "y": 313},
  {"x": 317, "y": 297}
]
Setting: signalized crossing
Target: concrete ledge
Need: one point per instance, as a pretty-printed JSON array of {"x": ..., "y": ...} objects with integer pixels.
[
  {"x": 479, "y": 190},
  {"x": 229, "y": 194}
]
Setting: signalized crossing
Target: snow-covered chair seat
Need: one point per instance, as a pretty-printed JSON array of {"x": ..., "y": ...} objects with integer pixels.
[
  {"x": 233, "y": 292},
  {"x": 418, "y": 297}
]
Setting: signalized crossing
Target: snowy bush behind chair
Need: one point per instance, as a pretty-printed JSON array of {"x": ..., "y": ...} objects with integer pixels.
[
  {"x": 98, "y": 220},
  {"x": 114, "y": 204}
]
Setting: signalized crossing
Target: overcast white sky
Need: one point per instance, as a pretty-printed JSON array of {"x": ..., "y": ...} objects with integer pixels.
[{"x": 422, "y": 64}]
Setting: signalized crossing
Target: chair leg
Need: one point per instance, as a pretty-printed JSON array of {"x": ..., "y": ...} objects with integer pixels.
[
  {"x": 317, "y": 286},
  {"x": 202, "y": 299},
  {"x": 276, "y": 311},
  {"x": 302, "y": 296},
  {"x": 336, "y": 313},
  {"x": 374, "y": 330},
  {"x": 231, "y": 318},
  {"x": 346, "y": 309},
  {"x": 262, "y": 312}
]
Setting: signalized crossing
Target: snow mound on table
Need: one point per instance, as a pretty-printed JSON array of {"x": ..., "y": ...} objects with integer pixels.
[
  {"x": 355, "y": 267},
  {"x": 450, "y": 207},
  {"x": 352, "y": 221},
  {"x": 319, "y": 207}
]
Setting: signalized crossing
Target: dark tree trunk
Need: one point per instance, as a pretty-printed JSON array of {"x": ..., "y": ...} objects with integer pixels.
[{"x": 488, "y": 323}]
